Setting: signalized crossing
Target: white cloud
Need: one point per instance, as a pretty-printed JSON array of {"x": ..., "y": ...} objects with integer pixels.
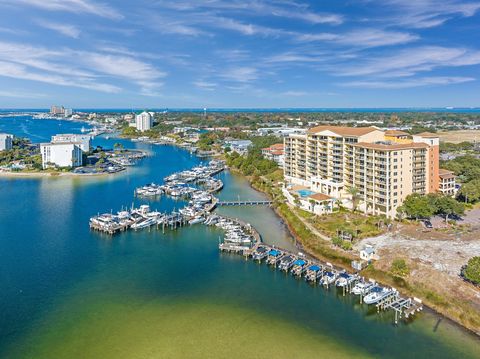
[
  {"x": 242, "y": 74},
  {"x": 69, "y": 67},
  {"x": 413, "y": 82},
  {"x": 428, "y": 13},
  {"x": 205, "y": 85},
  {"x": 408, "y": 62},
  {"x": 75, "y": 6},
  {"x": 64, "y": 29},
  {"x": 21, "y": 94}
]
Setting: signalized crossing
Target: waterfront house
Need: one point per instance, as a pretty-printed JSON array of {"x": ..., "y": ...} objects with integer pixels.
[
  {"x": 275, "y": 153},
  {"x": 367, "y": 253},
  {"x": 239, "y": 146}
]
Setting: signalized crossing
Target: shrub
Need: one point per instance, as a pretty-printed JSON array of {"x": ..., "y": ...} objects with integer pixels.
[
  {"x": 472, "y": 270},
  {"x": 399, "y": 268}
]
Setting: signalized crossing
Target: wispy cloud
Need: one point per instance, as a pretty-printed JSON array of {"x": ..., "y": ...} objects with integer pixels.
[
  {"x": 205, "y": 85},
  {"x": 62, "y": 28},
  {"x": 428, "y": 13},
  {"x": 240, "y": 74},
  {"x": 75, "y": 68},
  {"x": 75, "y": 6},
  {"x": 21, "y": 94},
  {"x": 409, "y": 62},
  {"x": 413, "y": 82}
]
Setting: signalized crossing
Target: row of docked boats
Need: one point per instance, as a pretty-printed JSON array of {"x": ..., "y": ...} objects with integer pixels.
[
  {"x": 324, "y": 274},
  {"x": 238, "y": 237},
  {"x": 135, "y": 218}
]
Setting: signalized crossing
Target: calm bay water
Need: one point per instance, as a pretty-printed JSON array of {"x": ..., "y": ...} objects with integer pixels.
[{"x": 69, "y": 293}]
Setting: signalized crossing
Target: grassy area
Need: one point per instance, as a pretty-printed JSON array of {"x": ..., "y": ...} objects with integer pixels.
[{"x": 359, "y": 225}]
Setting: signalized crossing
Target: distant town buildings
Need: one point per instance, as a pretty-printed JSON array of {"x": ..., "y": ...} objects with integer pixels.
[
  {"x": 280, "y": 131},
  {"x": 57, "y": 110},
  {"x": 239, "y": 146},
  {"x": 61, "y": 111},
  {"x": 143, "y": 121},
  {"x": 275, "y": 153},
  {"x": 6, "y": 141},
  {"x": 382, "y": 167}
]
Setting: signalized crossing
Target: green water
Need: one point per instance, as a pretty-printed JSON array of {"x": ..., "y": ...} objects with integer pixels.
[{"x": 70, "y": 293}]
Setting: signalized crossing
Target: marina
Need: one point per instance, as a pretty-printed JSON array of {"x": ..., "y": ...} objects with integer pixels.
[
  {"x": 77, "y": 290},
  {"x": 242, "y": 238}
]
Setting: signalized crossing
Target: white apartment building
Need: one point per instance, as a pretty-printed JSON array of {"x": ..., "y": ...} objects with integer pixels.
[
  {"x": 143, "y": 121},
  {"x": 383, "y": 166},
  {"x": 67, "y": 112},
  {"x": 62, "y": 154},
  {"x": 84, "y": 141},
  {"x": 6, "y": 141}
]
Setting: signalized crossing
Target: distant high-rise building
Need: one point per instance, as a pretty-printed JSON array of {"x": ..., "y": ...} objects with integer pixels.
[
  {"x": 67, "y": 112},
  {"x": 6, "y": 141},
  {"x": 57, "y": 110},
  {"x": 143, "y": 121}
]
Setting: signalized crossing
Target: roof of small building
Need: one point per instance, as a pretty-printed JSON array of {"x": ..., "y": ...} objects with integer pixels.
[
  {"x": 396, "y": 133},
  {"x": 320, "y": 197},
  {"x": 427, "y": 135},
  {"x": 443, "y": 173},
  {"x": 368, "y": 250},
  {"x": 344, "y": 130}
]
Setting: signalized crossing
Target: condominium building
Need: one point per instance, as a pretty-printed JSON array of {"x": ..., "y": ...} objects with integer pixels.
[
  {"x": 57, "y": 110},
  {"x": 6, "y": 141},
  {"x": 143, "y": 121},
  {"x": 83, "y": 140},
  {"x": 383, "y": 167},
  {"x": 447, "y": 182},
  {"x": 61, "y": 154}
]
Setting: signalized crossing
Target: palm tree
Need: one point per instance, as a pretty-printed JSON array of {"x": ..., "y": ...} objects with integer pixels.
[{"x": 353, "y": 191}]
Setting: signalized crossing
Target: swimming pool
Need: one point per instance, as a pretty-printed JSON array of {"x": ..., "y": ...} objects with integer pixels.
[{"x": 305, "y": 192}]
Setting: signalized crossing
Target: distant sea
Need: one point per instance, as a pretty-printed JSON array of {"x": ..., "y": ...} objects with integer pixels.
[{"x": 274, "y": 110}]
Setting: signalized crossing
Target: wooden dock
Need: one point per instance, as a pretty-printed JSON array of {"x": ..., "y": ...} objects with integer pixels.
[{"x": 244, "y": 203}]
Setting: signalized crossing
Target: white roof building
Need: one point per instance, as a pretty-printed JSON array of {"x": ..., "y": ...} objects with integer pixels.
[
  {"x": 61, "y": 154},
  {"x": 144, "y": 121},
  {"x": 6, "y": 141},
  {"x": 83, "y": 140}
]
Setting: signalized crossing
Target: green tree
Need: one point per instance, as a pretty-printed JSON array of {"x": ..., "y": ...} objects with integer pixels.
[
  {"x": 417, "y": 206},
  {"x": 399, "y": 268},
  {"x": 472, "y": 270},
  {"x": 447, "y": 206},
  {"x": 353, "y": 191},
  {"x": 470, "y": 191}
]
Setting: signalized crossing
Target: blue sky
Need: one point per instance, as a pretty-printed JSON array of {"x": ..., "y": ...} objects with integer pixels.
[{"x": 239, "y": 53}]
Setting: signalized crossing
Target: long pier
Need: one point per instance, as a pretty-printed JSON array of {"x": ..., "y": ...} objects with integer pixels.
[{"x": 244, "y": 203}]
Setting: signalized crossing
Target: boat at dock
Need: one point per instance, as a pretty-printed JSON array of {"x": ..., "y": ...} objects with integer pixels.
[
  {"x": 286, "y": 262},
  {"x": 313, "y": 273},
  {"x": 376, "y": 294}
]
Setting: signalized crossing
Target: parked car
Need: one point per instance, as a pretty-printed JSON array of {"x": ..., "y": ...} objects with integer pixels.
[{"x": 427, "y": 223}]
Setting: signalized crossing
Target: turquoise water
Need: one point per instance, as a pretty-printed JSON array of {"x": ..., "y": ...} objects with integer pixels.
[{"x": 69, "y": 293}]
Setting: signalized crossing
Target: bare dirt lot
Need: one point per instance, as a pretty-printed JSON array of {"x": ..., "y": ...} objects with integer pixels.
[{"x": 459, "y": 136}]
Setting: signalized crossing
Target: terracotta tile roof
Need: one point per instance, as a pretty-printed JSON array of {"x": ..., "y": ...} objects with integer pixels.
[
  {"x": 396, "y": 133},
  {"x": 277, "y": 146},
  {"x": 319, "y": 197},
  {"x": 343, "y": 131},
  {"x": 443, "y": 173},
  {"x": 277, "y": 152},
  {"x": 391, "y": 147},
  {"x": 427, "y": 134}
]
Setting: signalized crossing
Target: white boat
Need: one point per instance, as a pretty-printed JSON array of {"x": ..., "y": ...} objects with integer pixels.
[
  {"x": 376, "y": 294},
  {"x": 196, "y": 220},
  {"x": 147, "y": 222},
  {"x": 362, "y": 288}
]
